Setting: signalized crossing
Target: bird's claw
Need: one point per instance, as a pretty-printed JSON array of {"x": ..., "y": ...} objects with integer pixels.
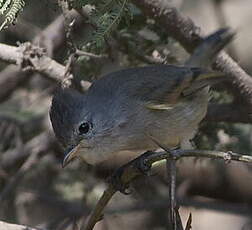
[
  {"x": 139, "y": 164},
  {"x": 116, "y": 181}
]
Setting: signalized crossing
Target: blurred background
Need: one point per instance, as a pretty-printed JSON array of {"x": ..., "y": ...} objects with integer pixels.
[{"x": 36, "y": 191}]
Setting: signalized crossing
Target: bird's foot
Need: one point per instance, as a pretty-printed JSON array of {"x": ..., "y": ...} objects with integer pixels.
[
  {"x": 122, "y": 177},
  {"x": 175, "y": 152}
]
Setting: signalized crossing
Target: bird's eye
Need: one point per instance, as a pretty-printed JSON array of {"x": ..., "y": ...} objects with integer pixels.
[{"x": 84, "y": 128}]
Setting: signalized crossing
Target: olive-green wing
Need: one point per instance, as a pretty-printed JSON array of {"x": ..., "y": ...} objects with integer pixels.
[{"x": 179, "y": 87}]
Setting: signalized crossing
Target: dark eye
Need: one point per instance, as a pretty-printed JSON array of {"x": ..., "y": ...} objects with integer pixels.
[{"x": 84, "y": 128}]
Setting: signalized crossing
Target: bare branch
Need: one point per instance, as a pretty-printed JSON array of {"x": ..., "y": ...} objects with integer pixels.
[
  {"x": 96, "y": 214},
  {"x": 7, "y": 226},
  {"x": 52, "y": 38},
  {"x": 10, "y": 54},
  {"x": 30, "y": 57},
  {"x": 90, "y": 55}
]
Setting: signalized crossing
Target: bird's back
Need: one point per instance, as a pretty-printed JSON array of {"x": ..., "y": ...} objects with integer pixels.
[{"x": 127, "y": 93}]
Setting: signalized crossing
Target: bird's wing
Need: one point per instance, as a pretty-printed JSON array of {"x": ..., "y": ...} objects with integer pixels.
[
  {"x": 166, "y": 92},
  {"x": 157, "y": 87}
]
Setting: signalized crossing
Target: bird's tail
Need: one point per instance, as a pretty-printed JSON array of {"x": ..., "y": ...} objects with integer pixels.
[{"x": 205, "y": 53}]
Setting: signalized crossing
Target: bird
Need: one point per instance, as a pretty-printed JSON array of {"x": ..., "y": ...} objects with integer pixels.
[{"x": 138, "y": 108}]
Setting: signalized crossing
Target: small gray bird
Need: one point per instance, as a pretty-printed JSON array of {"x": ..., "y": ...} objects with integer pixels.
[{"x": 136, "y": 108}]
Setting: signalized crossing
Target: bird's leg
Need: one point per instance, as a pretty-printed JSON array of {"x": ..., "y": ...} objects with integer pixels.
[
  {"x": 171, "y": 173},
  {"x": 171, "y": 177},
  {"x": 122, "y": 176}
]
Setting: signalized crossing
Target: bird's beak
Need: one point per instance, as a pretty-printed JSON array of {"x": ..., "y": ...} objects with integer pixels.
[{"x": 69, "y": 155}]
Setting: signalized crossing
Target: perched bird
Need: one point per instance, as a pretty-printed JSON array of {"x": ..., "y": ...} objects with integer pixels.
[{"x": 136, "y": 108}]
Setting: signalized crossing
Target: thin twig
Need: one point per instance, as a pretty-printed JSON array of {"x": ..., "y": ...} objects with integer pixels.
[
  {"x": 96, "y": 214},
  {"x": 68, "y": 24},
  {"x": 179, "y": 153},
  {"x": 189, "y": 222},
  {"x": 90, "y": 55},
  {"x": 131, "y": 170},
  {"x": 179, "y": 225},
  {"x": 171, "y": 173}
]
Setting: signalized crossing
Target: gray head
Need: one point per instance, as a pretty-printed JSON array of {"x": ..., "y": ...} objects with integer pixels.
[
  {"x": 87, "y": 123},
  {"x": 66, "y": 116}
]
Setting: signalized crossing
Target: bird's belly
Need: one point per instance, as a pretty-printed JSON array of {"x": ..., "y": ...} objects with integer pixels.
[{"x": 180, "y": 124}]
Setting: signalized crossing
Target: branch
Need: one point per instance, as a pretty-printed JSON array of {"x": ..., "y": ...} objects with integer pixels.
[
  {"x": 135, "y": 168},
  {"x": 10, "y": 54},
  {"x": 52, "y": 38},
  {"x": 33, "y": 58},
  {"x": 7, "y": 226},
  {"x": 91, "y": 55},
  {"x": 188, "y": 34},
  {"x": 30, "y": 57},
  {"x": 96, "y": 214}
]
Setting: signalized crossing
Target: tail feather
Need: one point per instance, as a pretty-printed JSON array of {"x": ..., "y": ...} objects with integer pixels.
[{"x": 206, "y": 52}]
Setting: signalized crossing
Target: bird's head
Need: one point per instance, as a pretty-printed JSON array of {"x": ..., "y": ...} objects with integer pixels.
[
  {"x": 70, "y": 122},
  {"x": 86, "y": 125}
]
